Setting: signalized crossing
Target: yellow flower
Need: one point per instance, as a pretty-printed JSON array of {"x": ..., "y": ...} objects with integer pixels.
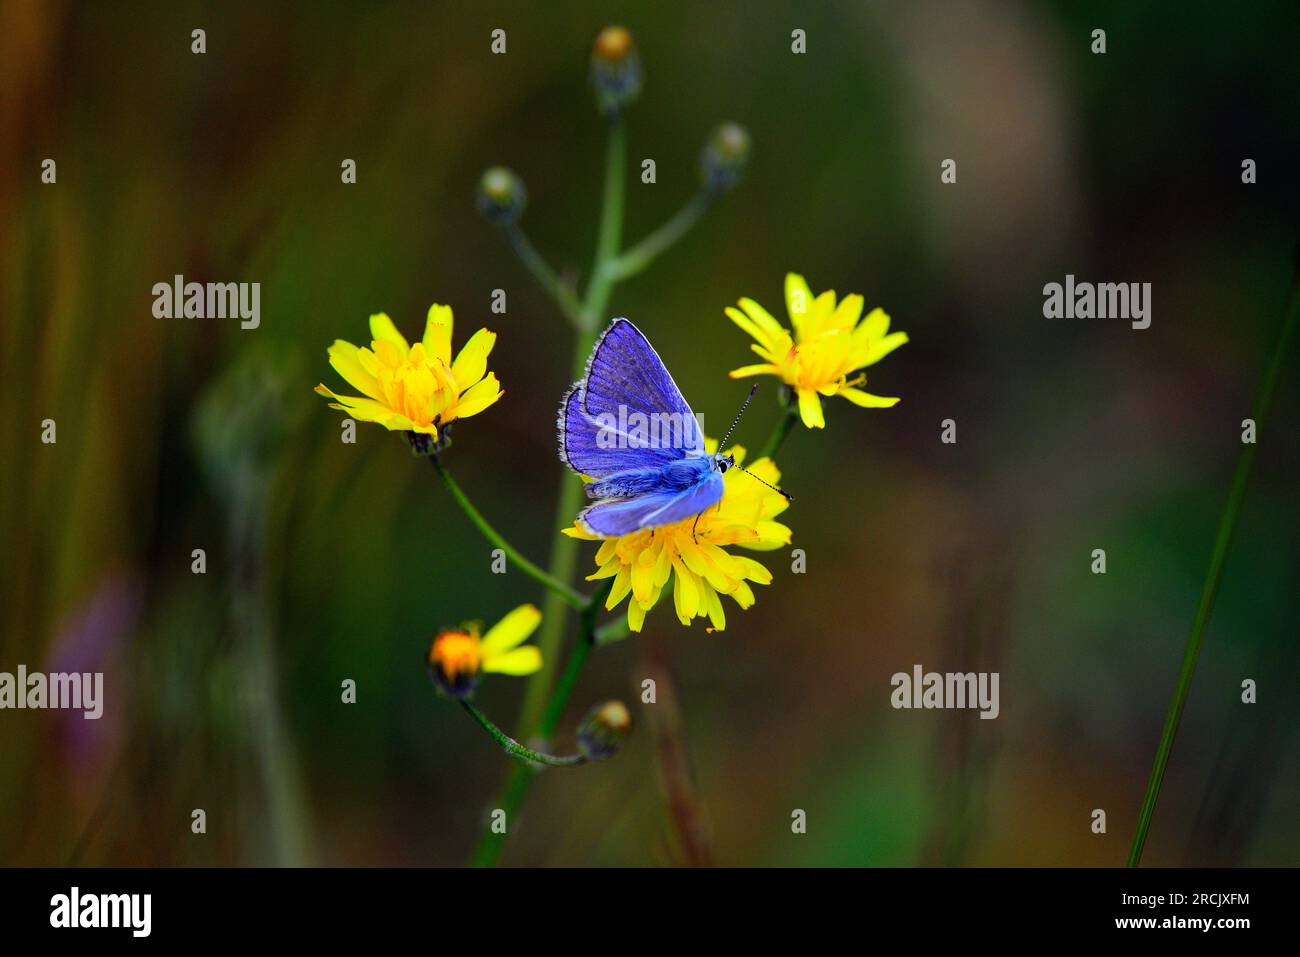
[
  {"x": 701, "y": 569},
  {"x": 414, "y": 388},
  {"x": 458, "y": 656},
  {"x": 829, "y": 344}
]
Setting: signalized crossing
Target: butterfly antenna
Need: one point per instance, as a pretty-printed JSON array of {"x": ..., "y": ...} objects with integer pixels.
[
  {"x": 736, "y": 421},
  {"x": 723, "y": 444},
  {"x": 779, "y": 491}
]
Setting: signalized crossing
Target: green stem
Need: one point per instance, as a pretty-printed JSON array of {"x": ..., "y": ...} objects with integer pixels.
[
  {"x": 612, "y": 631},
  {"x": 779, "y": 434},
  {"x": 521, "y": 777},
  {"x": 542, "y": 709},
  {"x": 564, "y": 688},
  {"x": 489, "y": 846},
  {"x": 640, "y": 256},
  {"x": 512, "y": 747},
  {"x": 564, "y": 550},
  {"x": 1227, "y": 524},
  {"x": 558, "y": 588},
  {"x": 562, "y": 292},
  {"x": 611, "y": 226},
  {"x": 577, "y": 658}
]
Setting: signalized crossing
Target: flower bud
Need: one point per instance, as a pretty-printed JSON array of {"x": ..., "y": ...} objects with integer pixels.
[
  {"x": 453, "y": 662},
  {"x": 724, "y": 157},
  {"x": 501, "y": 195},
  {"x": 604, "y": 730},
  {"x": 615, "y": 70}
]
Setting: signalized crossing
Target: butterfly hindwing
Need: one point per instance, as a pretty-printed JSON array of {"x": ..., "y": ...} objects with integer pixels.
[{"x": 624, "y": 516}]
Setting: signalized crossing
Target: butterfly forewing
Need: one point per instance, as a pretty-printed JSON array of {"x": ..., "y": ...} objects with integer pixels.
[{"x": 626, "y": 379}]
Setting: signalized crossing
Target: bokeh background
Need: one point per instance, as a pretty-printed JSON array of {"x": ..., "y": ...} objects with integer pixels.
[{"x": 329, "y": 561}]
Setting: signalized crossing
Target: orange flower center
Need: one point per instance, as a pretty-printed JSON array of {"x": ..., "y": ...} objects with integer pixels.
[
  {"x": 413, "y": 384},
  {"x": 456, "y": 654}
]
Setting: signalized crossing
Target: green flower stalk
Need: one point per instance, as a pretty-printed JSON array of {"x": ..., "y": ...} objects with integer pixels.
[{"x": 1214, "y": 574}]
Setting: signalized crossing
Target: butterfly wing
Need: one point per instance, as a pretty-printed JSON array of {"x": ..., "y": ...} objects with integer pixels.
[
  {"x": 624, "y": 516},
  {"x": 625, "y": 378},
  {"x": 585, "y": 448}
]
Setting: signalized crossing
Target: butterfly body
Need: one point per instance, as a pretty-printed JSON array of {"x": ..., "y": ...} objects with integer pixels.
[
  {"x": 677, "y": 476},
  {"x": 627, "y": 425}
]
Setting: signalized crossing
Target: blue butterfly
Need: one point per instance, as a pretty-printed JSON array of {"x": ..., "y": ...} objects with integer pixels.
[{"x": 626, "y": 424}]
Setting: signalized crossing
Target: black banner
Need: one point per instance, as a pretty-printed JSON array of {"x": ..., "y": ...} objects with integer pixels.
[{"x": 330, "y": 906}]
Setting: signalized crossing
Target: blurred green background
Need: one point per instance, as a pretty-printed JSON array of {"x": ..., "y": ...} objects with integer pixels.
[{"x": 329, "y": 561}]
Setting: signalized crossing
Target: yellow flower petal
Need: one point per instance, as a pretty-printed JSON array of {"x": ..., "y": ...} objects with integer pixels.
[
  {"x": 479, "y": 396},
  {"x": 663, "y": 566},
  {"x": 622, "y": 585},
  {"x": 873, "y": 351},
  {"x": 847, "y": 313},
  {"x": 771, "y": 535},
  {"x": 875, "y": 325},
  {"x": 608, "y": 570},
  {"x": 437, "y": 333},
  {"x": 686, "y": 597},
  {"x": 755, "y": 571},
  {"x": 367, "y": 410},
  {"x": 643, "y": 576},
  {"x": 472, "y": 361},
  {"x": 798, "y": 299},
  {"x": 389, "y": 354},
  {"x": 824, "y": 308},
  {"x": 346, "y": 360},
  {"x": 693, "y": 556},
  {"x": 608, "y": 549},
  {"x": 761, "y": 318},
  {"x": 369, "y": 361},
  {"x": 767, "y": 337},
  {"x": 635, "y": 617},
  {"x": 810, "y": 409},
  {"x": 511, "y": 630},
  {"x": 521, "y": 661},
  {"x": 383, "y": 330},
  {"x": 866, "y": 399},
  {"x": 716, "y": 615},
  {"x": 765, "y": 368}
]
